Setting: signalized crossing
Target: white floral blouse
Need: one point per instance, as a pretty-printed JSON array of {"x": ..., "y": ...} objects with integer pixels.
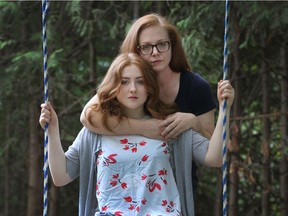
[{"x": 134, "y": 177}]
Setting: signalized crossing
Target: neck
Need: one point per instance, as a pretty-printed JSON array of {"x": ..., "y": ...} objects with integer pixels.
[
  {"x": 134, "y": 114},
  {"x": 167, "y": 76}
]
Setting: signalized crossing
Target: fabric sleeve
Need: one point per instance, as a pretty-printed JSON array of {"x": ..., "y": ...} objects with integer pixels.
[
  {"x": 189, "y": 146},
  {"x": 200, "y": 147},
  {"x": 183, "y": 156},
  {"x": 80, "y": 162},
  {"x": 72, "y": 157}
]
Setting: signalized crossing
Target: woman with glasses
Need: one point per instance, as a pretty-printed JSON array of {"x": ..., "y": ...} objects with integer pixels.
[
  {"x": 158, "y": 42},
  {"x": 130, "y": 175}
]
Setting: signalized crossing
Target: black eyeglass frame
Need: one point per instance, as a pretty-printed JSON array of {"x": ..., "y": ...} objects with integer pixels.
[{"x": 154, "y": 45}]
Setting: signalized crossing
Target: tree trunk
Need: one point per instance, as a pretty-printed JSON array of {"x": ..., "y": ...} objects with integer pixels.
[
  {"x": 92, "y": 49},
  {"x": 136, "y": 7},
  {"x": 265, "y": 142},
  {"x": 53, "y": 200},
  {"x": 234, "y": 150},
  {"x": 234, "y": 144},
  {"x": 218, "y": 195},
  {"x": 34, "y": 202},
  {"x": 284, "y": 132},
  {"x": 6, "y": 166},
  {"x": 92, "y": 59}
]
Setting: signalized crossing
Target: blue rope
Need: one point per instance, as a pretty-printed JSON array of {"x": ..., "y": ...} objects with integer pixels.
[
  {"x": 45, "y": 168},
  {"x": 224, "y": 150}
]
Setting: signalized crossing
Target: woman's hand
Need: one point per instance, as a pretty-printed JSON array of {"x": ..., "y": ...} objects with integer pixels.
[
  {"x": 177, "y": 123},
  {"x": 225, "y": 92},
  {"x": 56, "y": 156},
  {"x": 214, "y": 154},
  {"x": 48, "y": 116},
  {"x": 151, "y": 128}
]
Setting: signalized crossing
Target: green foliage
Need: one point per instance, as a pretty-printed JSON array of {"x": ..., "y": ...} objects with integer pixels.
[
  {"x": 27, "y": 57},
  {"x": 74, "y": 25},
  {"x": 201, "y": 39},
  {"x": 54, "y": 59},
  {"x": 6, "y": 43},
  {"x": 8, "y": 8}
]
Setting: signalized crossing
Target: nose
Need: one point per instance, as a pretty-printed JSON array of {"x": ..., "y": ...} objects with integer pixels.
[
  {"x": 132, "y": 87},
  {"x": 154, "y": 50}
]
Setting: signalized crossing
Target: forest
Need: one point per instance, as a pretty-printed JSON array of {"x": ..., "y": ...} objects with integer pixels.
[{"x": 83, "y": 37}]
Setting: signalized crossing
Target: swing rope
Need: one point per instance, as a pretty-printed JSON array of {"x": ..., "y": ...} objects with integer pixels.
[
  {"x": 45, "y": 168},
  {"x": 224, "y": 150}
]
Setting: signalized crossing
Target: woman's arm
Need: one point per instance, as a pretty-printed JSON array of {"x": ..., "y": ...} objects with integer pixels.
[
  {"x": 179, "y": 122},
  {"x": 145, "y": 127},
  {"x": 214, "y": 154},
  {"x": 207, "y": 123},
  {"x": 56, "y": 156}
]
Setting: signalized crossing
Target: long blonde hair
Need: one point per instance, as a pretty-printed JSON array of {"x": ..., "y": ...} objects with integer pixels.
[
  {"x": 131, "y": 42},
  {"x": 110, "y": 86}
]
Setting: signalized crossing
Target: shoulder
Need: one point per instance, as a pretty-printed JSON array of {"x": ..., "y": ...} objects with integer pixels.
[
  {"x": 87, "y": 134},
  {"x": 194, "y": 94},
  {"x": 86, "y": 139},
  {"x": 190, "y": 77},
  {"x": 194, "y": 84}
]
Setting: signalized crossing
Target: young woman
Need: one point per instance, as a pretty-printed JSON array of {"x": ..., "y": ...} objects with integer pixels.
[
  {"x": 131, "y": 174},
  {"x": 158, "y": 42}
]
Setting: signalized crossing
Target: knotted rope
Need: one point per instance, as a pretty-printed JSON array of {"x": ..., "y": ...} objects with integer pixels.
[
  {"x": 45, "y": 168},
  {"x": 224, "y": 151}
]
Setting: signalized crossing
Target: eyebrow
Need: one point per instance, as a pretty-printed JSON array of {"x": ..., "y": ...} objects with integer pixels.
[
  {"x": 159, "y": 41},
  {"x": 130, "y": 78}
]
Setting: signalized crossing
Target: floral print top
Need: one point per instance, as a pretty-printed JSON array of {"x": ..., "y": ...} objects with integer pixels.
[{"x": 134, "y": 177}]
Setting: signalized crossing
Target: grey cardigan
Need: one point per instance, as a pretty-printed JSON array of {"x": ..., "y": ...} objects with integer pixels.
[{"x": 81, "y": 157}]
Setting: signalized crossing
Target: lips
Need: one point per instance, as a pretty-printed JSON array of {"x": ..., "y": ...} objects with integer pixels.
[
  {"x": 156, "y": 62},
  {"x": 132, "y": 97}
]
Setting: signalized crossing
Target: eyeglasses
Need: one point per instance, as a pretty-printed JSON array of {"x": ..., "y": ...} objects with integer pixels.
[{"x": 161, "y": 47}]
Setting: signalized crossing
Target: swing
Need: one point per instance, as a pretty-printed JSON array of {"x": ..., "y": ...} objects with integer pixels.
[
  {"x": 45, "y": 65},
  {"x": 224, "y": 151},
  {"x": 45, "y": 168}
]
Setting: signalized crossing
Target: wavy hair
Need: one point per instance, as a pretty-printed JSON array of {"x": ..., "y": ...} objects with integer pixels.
[
  {"x": 110, "y": 86},
  {"x": 131, "y": 42}
]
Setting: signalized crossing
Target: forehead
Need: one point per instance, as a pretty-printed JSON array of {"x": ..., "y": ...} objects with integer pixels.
[
  {"x": 131, "y": 71},
  {"x": 153, "y": 34}
]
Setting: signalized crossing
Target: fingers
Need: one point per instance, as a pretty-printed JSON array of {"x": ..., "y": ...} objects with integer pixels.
[
  {"x": 45, "y": 115},
  {"x": 225, "y": 87},
  {"x": 169, "y": 133},
  {"x": 225, "y": 91},
  {"x": 171, "y": 128}
]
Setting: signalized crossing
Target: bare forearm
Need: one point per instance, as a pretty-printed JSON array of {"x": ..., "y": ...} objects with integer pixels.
[
  {"x": 214, "y": 153},
  {"x": 207, "y": 124},
  {"x": 225, "y": 94},
  {"x": 125, "y": 126},
  {"x": 206, "y": 133},
  {"x": 145, "y": 127},
  {"x": 57, "y": 160}
]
